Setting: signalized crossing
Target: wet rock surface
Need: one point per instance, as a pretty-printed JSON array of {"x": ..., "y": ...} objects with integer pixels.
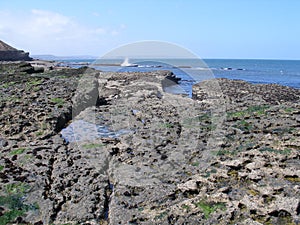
[{"x": 230, "y": 155}]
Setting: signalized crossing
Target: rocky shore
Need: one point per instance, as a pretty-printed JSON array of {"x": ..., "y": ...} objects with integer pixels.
[{"x": 228, "y": 155}]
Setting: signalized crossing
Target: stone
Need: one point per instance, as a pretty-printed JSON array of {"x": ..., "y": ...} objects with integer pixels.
[{"x": 3, "y": 142}]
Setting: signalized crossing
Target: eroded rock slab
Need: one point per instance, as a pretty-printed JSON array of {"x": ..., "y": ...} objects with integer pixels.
[{"x": 230, "y": 155}]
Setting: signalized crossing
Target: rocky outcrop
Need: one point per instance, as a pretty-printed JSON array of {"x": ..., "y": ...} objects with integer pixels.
[
  {"x": 8, "y": 53},
  {"x": 228, "y": 156},
  {"x": 239, "y": 91}
]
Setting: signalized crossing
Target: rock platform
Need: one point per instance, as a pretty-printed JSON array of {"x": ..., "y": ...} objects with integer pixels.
[{"x": 228, "y": 155}]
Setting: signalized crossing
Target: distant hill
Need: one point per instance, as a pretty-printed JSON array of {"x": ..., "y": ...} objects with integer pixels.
[
  {"x": 57, "y": 58},
  {"x": 8, "y": 53}
]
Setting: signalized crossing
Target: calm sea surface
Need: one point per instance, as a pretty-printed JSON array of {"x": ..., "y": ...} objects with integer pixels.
[{"x": 284, "y": 72}]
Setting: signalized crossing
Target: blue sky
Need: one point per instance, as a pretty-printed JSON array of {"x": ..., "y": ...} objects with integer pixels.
[{"x": 267, "y": 29}]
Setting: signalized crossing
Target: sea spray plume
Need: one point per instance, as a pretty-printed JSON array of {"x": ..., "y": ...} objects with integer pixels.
[{"x": 126, "y": 63}]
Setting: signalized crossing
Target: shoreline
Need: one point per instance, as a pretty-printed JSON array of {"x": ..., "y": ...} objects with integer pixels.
[{"x": 233, "y": 149}]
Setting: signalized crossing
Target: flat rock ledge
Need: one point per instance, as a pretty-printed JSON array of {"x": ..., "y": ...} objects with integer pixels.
[{"x": 229, "y": 155}]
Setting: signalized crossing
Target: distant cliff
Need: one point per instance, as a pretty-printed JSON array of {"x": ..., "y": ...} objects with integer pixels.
[{"x": 8, "y": 53}]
